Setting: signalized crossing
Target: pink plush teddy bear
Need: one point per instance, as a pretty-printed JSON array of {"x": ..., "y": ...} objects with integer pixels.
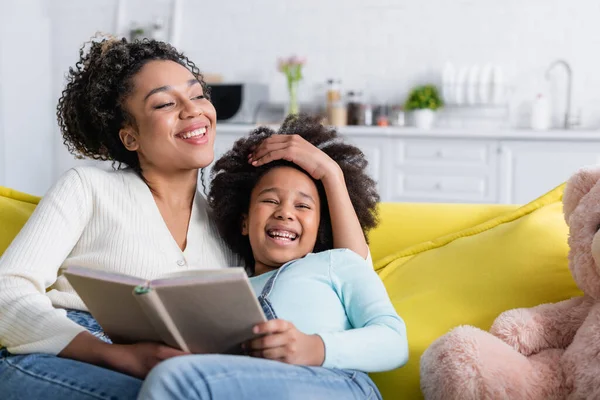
[{"x": 551, "y": 351}]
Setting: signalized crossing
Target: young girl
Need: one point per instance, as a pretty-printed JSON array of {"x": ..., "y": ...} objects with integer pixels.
[
  {"x": 144, "y": 106},
  {"x": 330, "y": 318}
]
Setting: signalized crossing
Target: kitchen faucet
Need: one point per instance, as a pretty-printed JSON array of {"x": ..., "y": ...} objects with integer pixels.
[{"x": 567, "y": 121}]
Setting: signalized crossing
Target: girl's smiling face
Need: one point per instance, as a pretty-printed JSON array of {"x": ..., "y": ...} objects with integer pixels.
[{"x": 283, "y": 218}]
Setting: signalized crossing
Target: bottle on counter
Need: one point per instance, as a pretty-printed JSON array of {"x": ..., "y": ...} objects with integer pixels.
[
  {"x": 338, "y": 115},
  {"x": 383, "y": 118},
  {"x": 366, "y": 117},
  {"x": 540, "y": 113},
  {"x": 397, "y": 116},
  {"x": 336, "y": 109},
  {"x": 334, "y": 95},
  {"x": 354, "y": 108}
]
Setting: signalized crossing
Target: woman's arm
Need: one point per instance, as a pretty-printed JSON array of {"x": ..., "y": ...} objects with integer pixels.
[
  {"x": 378, "y": 341},
  {"x": 347, "y": 232},
  {"x": 28, "y": 321},
  {"x": 131, "y": 359}
]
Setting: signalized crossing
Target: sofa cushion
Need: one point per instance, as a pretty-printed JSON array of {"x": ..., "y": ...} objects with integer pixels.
[
  {"x": 15, "y": 209},
  {"x": 517, "y": 259},
  {"x": 405, "y": 224}
]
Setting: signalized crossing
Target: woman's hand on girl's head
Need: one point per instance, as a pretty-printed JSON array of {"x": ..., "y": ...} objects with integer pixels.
[
  {"x": 282, "y": 341},
  {"x": 296, "y": 149}
]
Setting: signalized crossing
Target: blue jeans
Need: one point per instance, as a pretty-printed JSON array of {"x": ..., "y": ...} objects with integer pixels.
[
  {"x": 44, "y": 376},
  {"x": 212, "y": 377}
]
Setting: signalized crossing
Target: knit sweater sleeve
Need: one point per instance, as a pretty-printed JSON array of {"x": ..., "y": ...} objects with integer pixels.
[{"x": 28, "y": 321}]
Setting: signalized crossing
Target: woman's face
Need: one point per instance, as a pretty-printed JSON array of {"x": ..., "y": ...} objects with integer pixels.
[
  {"x": 283, "y": 218},
  {"x": 174, "y": 124}
]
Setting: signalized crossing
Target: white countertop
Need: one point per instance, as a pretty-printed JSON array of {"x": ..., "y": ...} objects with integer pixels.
[{"x": 470, "y": 133}]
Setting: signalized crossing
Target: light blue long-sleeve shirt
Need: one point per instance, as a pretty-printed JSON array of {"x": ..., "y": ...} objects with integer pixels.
[{"x": 337, "y": 295}]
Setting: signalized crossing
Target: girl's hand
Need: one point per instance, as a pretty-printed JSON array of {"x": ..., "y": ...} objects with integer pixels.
[
  {"x": 283, "y": 342},
  {"x": 295, "y": 149}
]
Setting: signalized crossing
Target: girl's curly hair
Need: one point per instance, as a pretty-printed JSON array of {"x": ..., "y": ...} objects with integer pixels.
[
  {"x": 90, "y": 110},
  {"x": 233, "y": 180}
]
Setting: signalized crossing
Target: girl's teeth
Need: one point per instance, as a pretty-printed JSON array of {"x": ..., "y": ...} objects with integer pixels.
[{"x": 282, "y": 235}]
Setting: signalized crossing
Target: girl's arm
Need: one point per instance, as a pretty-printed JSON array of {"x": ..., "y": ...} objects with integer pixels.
[
  {"x": 347, "y": 232},
  {"x": 378, "y": 341}
]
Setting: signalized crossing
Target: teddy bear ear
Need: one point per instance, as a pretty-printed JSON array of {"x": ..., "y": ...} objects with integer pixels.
[{"x": 578, "y": 186}]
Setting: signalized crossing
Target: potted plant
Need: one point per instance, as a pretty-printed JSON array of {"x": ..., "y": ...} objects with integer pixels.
[{"x": 423, "y": 101}]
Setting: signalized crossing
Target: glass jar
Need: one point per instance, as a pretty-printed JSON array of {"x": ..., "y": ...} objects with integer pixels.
[
  {"x": 366, "y": 114},
  {"x": 354, "y": 108}
]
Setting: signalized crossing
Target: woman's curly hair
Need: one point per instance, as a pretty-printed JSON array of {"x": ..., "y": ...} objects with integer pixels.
[
  {"x": 233, "y": 180},
  {"x": 90, "y": 111}
]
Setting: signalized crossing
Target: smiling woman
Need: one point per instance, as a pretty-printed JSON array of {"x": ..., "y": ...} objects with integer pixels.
[
  {"x": 126, "y": 100},
  {"x": 144, "y": 106},
  {"x": 172, "y": 127}
]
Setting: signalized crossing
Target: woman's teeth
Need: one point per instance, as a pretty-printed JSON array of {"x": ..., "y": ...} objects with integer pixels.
[{"x": 197, "y": 132}]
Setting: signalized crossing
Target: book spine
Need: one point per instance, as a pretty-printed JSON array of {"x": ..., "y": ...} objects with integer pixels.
[{"x": 156, "y": 312}]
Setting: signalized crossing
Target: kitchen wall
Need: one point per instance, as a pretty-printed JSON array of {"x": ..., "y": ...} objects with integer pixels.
[
  {"x": 380, "y": 46},
  {"x": 386, "y": 46},
  {"x": 26, "y": 103},
  {"x": 383, "y": 47}
]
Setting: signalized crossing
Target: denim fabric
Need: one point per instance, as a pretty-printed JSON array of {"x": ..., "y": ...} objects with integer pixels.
[
  {"x": 44, "y": 376},
  {"x": 211, "y": 377},
  {"x": 86, "y": 320},
  {"x": 263, "y": 298}
]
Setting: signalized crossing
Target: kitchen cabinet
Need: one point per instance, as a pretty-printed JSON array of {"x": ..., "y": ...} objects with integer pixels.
[
  {"x": 379, "y": 155},
  {"x": 453, "y": 166},
  {"x": 461, "y": 166},
  {"x": 445, "y": 170},
  {"x": 528, "y": 169}
]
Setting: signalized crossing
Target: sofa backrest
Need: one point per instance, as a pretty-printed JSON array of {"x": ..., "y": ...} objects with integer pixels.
[
  {"x": 15, "y": 209},
  {"x": 402, "y": 225}
]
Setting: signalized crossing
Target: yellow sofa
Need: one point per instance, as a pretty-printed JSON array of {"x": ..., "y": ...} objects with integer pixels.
[{"x": 443, "y": 265}]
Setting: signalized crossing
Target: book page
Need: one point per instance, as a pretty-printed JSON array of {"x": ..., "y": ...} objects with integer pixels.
[
  {"x": 115, "y": 308},
  {"x": 213, "y": 316},
  {"x": 160, "y": 319},
  {"x": 105, "y": 275},
  {"x": 198, "y": 276}
]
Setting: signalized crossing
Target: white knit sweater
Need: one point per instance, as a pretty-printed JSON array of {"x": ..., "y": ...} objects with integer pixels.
[{"x": 96, "y": 219}]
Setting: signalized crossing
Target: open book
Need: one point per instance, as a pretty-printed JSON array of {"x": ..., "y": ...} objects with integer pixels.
[{"x": 199, "y": 311}]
